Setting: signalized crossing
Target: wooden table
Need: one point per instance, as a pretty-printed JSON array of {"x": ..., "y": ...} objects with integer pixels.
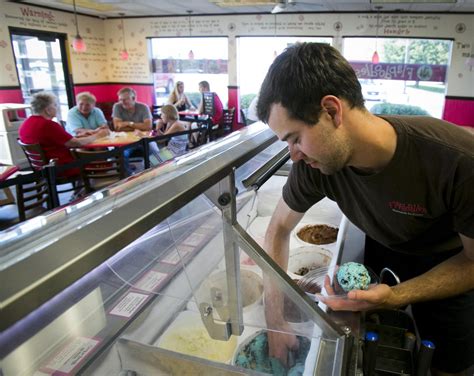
[
  {"x": 115, "y": 139},
  {"x": 188, "y": 115}
]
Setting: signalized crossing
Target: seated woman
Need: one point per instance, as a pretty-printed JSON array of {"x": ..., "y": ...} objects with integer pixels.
[
  {"x": 169, "y": 124},
  {"x": 178, "y": 99},
  {"x": 53, "y": 139}
]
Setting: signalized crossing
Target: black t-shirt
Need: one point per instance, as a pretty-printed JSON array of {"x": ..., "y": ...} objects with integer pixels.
[{"x": 418, "y": 203}]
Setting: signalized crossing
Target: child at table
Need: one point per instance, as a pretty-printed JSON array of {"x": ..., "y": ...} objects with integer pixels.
[{"x": 169, "y": 124}]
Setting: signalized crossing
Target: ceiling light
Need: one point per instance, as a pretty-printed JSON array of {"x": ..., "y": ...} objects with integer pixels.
[
  {"x": 375, "y": 56},
  {"x": 124, "y": 52},
  {"x": 78, "y": 43}
]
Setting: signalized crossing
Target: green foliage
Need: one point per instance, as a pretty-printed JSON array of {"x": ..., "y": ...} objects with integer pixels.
[
  {"x": 433, "y": 89},
  {"x": 394, "y": 51},
  {"x": 397, "y": 109},
  {"x": 428, "y": 52},
  {"x": 246, "y": 99},
  {"x": 420, "y": 51}
]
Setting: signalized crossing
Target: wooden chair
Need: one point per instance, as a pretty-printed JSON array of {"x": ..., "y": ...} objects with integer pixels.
[
  {"x": 32, "y": 199},
  {"x": 243, "y": 117},
  {"x": 101, "y": 172},
  {"x": 225, "y": 126},
  {"x": 156, "y": 111},
  {"x": 227, "y": 120},
  {"x": 37, "y": 159},
  {"x": 208, "y": 103}
]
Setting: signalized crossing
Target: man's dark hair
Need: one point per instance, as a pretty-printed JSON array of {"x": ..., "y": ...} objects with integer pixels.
[{"x": 302, "y": 75}]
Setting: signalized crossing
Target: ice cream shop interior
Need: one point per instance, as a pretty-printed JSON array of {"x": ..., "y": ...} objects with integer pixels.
[{"x": 233, "y": 187}]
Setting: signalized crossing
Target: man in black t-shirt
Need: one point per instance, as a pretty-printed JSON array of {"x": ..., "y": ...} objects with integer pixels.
[{"x": 407, "y": 182}]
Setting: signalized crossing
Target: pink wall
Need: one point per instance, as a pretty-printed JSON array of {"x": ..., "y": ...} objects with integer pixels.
[
  {"x": 106, "y": 92},
  {"x": 459, "y": 110},
  {"x": 11, "y": 95}
]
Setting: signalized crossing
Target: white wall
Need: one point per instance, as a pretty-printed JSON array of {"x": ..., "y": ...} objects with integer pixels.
[{"x": 101, "y": 62}]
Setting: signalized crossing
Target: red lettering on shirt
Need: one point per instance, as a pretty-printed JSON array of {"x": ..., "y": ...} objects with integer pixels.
[{"x": 408, "y": 209}]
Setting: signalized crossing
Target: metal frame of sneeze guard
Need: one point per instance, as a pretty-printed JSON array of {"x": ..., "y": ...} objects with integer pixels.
[
  {"x": 341, "y": 336},
  {"x": 232, "y": 315},
  {"x": 336, "y": 335},
  {"x": 235, "y": 237}
]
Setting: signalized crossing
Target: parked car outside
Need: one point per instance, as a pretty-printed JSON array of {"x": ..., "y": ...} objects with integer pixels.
[
  {"x": 164, "y": 81},
  {"x": 373, "y": 90}
]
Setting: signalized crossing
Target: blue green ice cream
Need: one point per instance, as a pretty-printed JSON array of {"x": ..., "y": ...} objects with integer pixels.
[
  {"x": 254, "y": 356},
  {"x": 353, "y": 276}
]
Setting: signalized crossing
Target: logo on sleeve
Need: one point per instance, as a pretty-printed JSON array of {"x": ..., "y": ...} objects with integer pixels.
[{"x": 407, "y": 209}]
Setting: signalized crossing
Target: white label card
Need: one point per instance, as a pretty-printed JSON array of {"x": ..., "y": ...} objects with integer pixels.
[
  {"x": 129, "y": 304},
  {"x": 150, "y": 281},
  {"x": 70, "y": 356}
]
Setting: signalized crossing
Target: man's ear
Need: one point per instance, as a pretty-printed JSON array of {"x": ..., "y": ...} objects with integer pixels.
[{"x": 333, "y": 106}]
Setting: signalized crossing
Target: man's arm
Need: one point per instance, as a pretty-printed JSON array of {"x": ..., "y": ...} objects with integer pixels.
[
  {"x": 276, "y": 244},
  {"x": 452, "y": 277},
  {"x": 122, "y": 126},
  {"x": 145, "y": 125},
  {"x": 129, "y": 126},
  {"x": 76, "y": 142}
]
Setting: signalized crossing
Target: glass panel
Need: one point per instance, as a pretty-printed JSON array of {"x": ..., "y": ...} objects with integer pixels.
[
  {"x": 40, "y": 67},
  {"x": 410, "y": 78},
  {"x": 190, "y": 60},
  {"x": 148, "y": 298}
]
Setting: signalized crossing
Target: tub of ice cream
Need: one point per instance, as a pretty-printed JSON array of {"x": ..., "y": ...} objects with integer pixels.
[
  {"x": 187, "y": 335},
  {"x": 251, "y": 288},
  {"x": 306, "y": 258},
  {"x": 252, "y": 353},
  {"x": 315, "y": 233}
]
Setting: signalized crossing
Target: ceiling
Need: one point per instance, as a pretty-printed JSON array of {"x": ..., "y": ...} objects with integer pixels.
[{"x": 147, "y": 8}]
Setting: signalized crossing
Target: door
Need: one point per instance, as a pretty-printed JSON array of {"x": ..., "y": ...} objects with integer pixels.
[{"x": 42, "y": 66}]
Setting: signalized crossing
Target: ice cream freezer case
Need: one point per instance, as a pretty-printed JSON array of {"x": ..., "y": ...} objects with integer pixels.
[{"x": 162, "y": 274}]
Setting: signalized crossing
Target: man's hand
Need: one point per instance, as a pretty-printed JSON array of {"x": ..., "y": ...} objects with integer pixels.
[
  {"x": 279, "y": 344},
  {"x": 377, "y": 296},
  {"x": 104, "y": 132},
  {"x": 84, "y": 133}
]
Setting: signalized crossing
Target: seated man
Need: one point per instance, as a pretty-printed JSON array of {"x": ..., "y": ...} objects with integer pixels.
[
  {"x": 85, "y": 118},
  {"x": 216, "y": 119},
  {"x": 40, "y": 129},
  {"x": 129, "y": 115}
]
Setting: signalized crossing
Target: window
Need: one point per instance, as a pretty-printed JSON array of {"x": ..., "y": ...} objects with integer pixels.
[
  {"x": 41, "y": 67},
  {"x": 255, "y": 55},
  {"x": 410, "y": 77},
  {"x": 189, "y": 60}
]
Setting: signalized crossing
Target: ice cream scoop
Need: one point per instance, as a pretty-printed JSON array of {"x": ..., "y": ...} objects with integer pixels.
[{"x": 353, "y": 276}]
